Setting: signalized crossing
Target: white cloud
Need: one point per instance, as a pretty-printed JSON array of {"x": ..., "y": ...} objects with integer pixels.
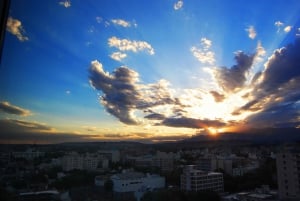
[
  {"x": 206, "y": 43},
  {"x": 118, "y": 56},
  {"x": 287, "y": 29},
  {"x": 203, "y": 54},
  {"x": 99, "y": 19},
  {"x": 14, "y": 26},
  {"x": 130, "y": 45},
  {"x": 251, "y": 32},
  {"x": 278, "y": 23},
  {"x": 121, "y": 22},
  {"x": 66, "y": 3},
  {"x": 178, "y": 5}
]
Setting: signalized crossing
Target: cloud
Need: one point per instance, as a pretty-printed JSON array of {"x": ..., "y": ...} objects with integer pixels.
[
  {"x": 130, "y": 45},
  {"x": 123, "y": 94},
  {"x": 232, "y": 79},
  {"x": 202, "y": 53},
  {"x": 192, "y": 123},
  {"x": 14, "y": 125},
  {"x": 287, "y": 29},
  {"x": 276, "y": 89},
  {"x": 14, "y": 27},
  {"x": 278, "y": 24},
  {"x": 118, "y": 56},
  {"x": 121, "y": 22},
  {"x": 155, "y": 116},
  {"x": 217, "y": 96},
  {"x": 19, "y": 131},
  {"x": 251, "y": 32},
  {"x": 178, "y": 5},
  {"x": 66, "y": 3},
  {"x": 12, "y": 109}
]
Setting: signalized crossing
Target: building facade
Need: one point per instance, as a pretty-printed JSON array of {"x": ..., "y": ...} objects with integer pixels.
[
  {"x": 194, "y": 179},
  {"x": 288, "y": 174},
  {"x": 136, "y": 181}
]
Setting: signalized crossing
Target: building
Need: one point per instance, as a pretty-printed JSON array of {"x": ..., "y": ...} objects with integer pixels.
[
  {"x": 288, "y": 174},
  {"x": 29, "y": 154},
  {"x": 111, "y": 155},
  {"x": 136, "y": 181},
  {"x": 77, "y": 161},
  {"x": 194, "y": 179}
]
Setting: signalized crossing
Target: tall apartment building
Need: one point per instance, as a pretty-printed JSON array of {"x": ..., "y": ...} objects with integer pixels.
[
  {"x": 194, "y": 179},
  {"x": 288, "y": 174}
]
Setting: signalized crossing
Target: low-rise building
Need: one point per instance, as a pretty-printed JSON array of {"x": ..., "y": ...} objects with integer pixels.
[{"x": 136, "y": 181}]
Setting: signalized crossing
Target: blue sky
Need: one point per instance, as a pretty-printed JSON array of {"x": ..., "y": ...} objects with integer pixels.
[{"x": 139, "y": 70}]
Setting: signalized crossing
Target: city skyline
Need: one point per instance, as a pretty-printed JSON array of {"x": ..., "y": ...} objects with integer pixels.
[{"x": 155, "y": 71}]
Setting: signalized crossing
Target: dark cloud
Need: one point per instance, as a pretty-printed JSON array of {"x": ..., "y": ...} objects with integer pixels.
[
  {"x": 15, "y": 125},
  {"x": 19, "y": 131},
  {"x": 231, "y": 79},
  {"x": 155, "y": 116},
  {"x": 123, "y": 94},
  {"x": 276, "y": 93},
  {"x": 12, "y": 109},
  {"x": 191, "y": 123},
  {"x": 217, "y": 96}
]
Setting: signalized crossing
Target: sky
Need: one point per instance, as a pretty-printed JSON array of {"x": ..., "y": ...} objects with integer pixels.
[{"x": 148, "y": 71}]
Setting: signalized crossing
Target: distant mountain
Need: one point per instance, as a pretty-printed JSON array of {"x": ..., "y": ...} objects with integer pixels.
[{"x": 266, "y": 135}]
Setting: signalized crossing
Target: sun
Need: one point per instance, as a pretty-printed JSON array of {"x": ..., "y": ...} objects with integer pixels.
[{"x": 213, "y": 131}]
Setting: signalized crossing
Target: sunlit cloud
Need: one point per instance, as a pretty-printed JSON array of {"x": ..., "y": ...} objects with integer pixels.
[
  {"x": 130, "y": 45},
  {"x": 275, "y": 91},
  {"x": 13, "y": 109},
  {"x": 121, "y": 22},
  {"x": 251, "y": 32},
  {"x": 14, "y": 27},
  {"x": 178, "y": 5},
  {"x": 66, "y": 3},
  {"x": 287, "y": 29},
  {"x": 118, "y": 56},
  {"x": 203, "y": 53}
]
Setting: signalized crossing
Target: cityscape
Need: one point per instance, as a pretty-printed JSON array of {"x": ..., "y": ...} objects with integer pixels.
[{"x": 158, "y": 100}]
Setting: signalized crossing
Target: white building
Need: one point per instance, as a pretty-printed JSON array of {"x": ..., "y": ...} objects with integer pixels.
[
  {"x": 288, "y": 174},
  {"x": 111, "y": 155},
  {"x": 29, "y": 154},
  {"x": 194, "y": 179},
  {"x": 74, "y": 160},
  {"x": 136, "y": 181}
]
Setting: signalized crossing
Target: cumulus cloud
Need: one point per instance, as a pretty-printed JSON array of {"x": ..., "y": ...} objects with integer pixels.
[
  {"x": 232, "y": 79},
  {"x": 276, "y": 90},
  {"x": 12, "y": 109},
  {"x": 287, "y": 29},
  {"x": 14, "y": 27},
  {"x": 66, "y": 3},
  {"x": 203, "y": 53},
  {"x": 130, "y": 45},
  {"x": 251, "y": 32},
  {"x": 118, "y": 56},
  {"x": 123, "y": 94},
  {"x": 178, "y": 5},
  {"x": 121, "y": 22}
]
